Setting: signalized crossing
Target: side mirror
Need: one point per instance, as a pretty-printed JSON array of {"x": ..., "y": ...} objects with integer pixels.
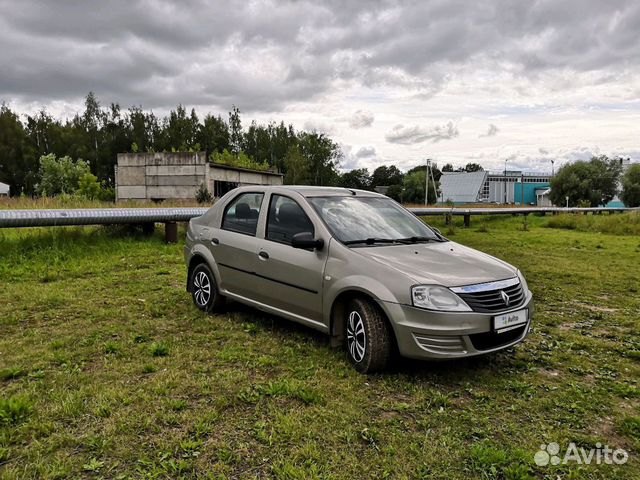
[{"x": 306, "y": 240}]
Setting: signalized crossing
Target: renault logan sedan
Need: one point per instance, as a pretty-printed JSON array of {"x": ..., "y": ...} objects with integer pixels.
[{"x": 358, "y": 266}]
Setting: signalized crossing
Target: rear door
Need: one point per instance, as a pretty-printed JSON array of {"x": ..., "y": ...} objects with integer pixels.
[
  {"x": 290, "y": 278},
  {"x": 235, "y": 246}
]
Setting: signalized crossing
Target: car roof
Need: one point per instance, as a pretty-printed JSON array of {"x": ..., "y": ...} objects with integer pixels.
[{"x": 312, "y": 191}]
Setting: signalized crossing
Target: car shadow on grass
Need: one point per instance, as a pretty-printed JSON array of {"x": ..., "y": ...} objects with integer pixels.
[{"x": 462, "y": 369}]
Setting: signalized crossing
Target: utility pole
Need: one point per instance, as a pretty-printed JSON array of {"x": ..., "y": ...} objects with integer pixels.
[
  {"x": 552, "y": 169},
  {"x": 505, "y": 180},
  {"x": 426, "y": 184}
]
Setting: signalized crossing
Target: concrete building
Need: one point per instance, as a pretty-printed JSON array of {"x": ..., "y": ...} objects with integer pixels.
[
  {"x": 4, "y": 190},
  {"x": 161, "y": 176},
  {"x": 488, "y": 187}
]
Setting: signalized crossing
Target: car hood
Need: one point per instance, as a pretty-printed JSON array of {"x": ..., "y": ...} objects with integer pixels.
[{"x": 446, "y": 263}]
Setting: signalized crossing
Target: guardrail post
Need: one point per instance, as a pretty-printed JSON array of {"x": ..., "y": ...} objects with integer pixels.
[
  {"x": 467, "y": 219},
  {"x": 171, "y": 232}
]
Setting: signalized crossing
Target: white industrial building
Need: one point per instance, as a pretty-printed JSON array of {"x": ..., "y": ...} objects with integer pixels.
[
  {"x": 489, "y": 187},
  {"x": 4, "y": 190}
]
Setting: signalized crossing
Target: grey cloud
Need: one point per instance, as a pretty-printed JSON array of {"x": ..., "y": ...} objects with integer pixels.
[
  {"x": 361, "y": 119},
  {"x": 264, "y": 56},
  {"x": 492, "y": 131},
  {"x": 366, "y": 152},
  {"x": 416, "y": 134}
]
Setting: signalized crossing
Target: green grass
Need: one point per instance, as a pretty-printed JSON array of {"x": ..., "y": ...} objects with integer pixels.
[{"x": 107, "y": 370}]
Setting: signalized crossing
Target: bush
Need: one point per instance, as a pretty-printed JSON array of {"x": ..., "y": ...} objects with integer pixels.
[
  {"x": 631, "y": 187},
  {"x": 203, "y": 195},
  {"x": 242, "y": 160},
  {"x": 60, "y": 175},
  {"x": 88, "y": 186}
]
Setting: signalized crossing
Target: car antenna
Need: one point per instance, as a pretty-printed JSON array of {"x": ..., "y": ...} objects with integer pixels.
[{"x": 353, "y": 192}]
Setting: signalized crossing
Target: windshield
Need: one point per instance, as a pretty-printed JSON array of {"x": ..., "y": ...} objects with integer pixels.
[{"x": 376, "y": 219}]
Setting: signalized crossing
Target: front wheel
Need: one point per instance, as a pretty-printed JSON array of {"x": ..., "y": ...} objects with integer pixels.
[
  {"x": 204, "y": 289},
  {"x": 368, "y": 336}
]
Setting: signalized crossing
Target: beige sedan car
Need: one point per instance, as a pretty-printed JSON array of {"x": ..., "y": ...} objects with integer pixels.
[{"x": 359, "y": 267}]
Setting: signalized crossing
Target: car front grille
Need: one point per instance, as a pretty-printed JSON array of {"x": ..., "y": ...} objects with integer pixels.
[{"x": 492, "y": 297}]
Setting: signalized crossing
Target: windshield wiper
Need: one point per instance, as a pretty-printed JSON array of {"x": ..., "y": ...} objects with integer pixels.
[
  {"x": 370, "y": 241},
  {"x": 416, "y": 239}
]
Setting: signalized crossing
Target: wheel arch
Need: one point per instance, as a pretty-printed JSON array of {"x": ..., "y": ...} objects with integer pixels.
[
  {"x": 200, "y": 255},
  {"x": 338, "y": 314}
]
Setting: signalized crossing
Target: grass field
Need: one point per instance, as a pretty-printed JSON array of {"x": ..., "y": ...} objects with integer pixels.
[{"x": 108, "y": 371}]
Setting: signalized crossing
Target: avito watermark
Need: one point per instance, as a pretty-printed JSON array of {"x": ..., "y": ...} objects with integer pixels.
[{"x": 601, "y": 454}]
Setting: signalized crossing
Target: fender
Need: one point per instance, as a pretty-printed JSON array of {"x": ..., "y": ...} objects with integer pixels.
[
  {"x": 360, "y": 283},
  {"x": 201, "y": 251}
]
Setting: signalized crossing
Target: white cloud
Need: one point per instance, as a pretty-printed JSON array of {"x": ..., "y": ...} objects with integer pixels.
[
  {"x": 416, "y": 134},
  {"x": 361, "y": 119}
]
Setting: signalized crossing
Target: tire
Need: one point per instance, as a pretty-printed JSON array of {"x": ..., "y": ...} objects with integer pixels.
[
  {"x": 368, "y": 336},
  {"x": 204, "y": 289}
]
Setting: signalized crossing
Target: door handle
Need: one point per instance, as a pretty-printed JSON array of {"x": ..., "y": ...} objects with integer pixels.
[
  {"x": 215, "y": 241},
  {"x": 264, "y": 255}
]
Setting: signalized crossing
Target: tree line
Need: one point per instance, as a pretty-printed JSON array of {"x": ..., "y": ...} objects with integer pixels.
[
  {"x": 595, "y": 183},
  {"x": 43, "y": 155},
  {"x": 98, "y": 134}
]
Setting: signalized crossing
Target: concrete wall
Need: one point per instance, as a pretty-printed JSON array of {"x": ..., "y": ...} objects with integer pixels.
[
  {"x": 242, "y": 177},
  {"x": 150, "y": 176}
]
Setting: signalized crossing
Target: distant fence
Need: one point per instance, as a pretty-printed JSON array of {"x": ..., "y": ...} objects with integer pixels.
[{"x": 170, "y": 216}]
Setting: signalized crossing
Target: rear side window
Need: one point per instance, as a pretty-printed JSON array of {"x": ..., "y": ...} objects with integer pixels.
[
  {"x": 241, "y": 215},
  {"x": 286, "y": 218}
]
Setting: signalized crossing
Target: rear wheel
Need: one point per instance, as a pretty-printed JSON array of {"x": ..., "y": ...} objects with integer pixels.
[
  {"x": 204, "y": 289},
  {"x": 368, "y": 336}
]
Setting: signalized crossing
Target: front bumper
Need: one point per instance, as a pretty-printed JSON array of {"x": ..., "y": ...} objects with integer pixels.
[{"x": 441, "y": 335}]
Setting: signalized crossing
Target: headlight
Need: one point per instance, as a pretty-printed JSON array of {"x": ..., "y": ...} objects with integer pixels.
[
  {"x": 435, "y": 297},
  {"x": 523, "y": 281}
]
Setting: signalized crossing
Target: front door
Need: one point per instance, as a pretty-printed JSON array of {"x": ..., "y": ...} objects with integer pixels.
[{"x": 291, "y": 278}]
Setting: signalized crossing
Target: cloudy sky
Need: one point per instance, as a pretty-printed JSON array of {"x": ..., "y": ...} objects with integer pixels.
[{"x": 392, "y": 82}]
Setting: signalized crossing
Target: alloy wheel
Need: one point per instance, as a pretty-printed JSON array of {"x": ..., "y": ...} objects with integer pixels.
[
  {"x": 356, "y": 336},
  {"x": 202, "y": 285}
]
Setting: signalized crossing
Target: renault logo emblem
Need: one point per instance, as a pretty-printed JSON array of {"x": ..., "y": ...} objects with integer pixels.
[{"x": 505, "y": 297}]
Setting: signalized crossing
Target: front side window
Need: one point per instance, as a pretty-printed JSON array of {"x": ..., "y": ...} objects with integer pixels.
[
  {"x": 286, "y": 218},
  {"x": 356, "y": 219},
  {"x": 241, "y": 215}
]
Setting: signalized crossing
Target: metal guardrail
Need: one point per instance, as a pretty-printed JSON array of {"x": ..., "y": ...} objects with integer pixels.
[
  {"x": 95, "y": 216},
  {"x": 420, "y": 211},
  {"x": 169, "y": 216}
]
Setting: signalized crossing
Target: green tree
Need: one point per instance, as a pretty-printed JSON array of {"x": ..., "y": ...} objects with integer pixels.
[
  {"x": 323, "y": 154},
  {"x": 631, "y": 186},
  {"x": 594, "y": 182},
  {"x": 448, "y": 168},
  {"x": 60, "y": 175},
  {"x": 235, "y": 131},
  {"x": 386, "y": 176},
  {"x": 356, "y": 178},
  {"x": 297, "y": 167},
  {"x": 473, "y": 167},
  {"x": 414, "y": 185},
  {"x": 17, "y": 167},
  {"x": 434, "y": 167},
  {"x": 213, "y": 134}
]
